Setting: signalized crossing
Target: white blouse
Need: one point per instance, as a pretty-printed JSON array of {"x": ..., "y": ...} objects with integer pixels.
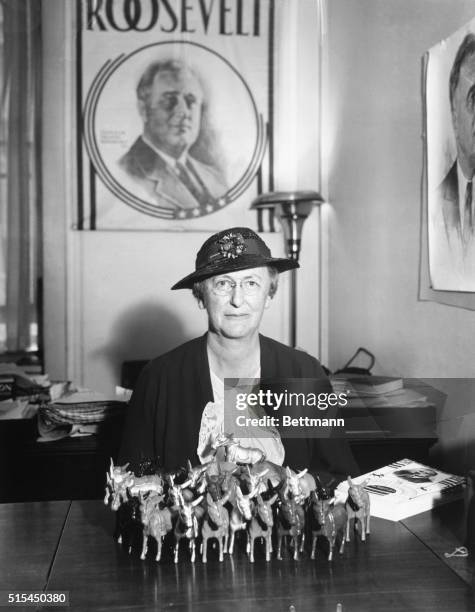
[{"x": 214, "y": 421}]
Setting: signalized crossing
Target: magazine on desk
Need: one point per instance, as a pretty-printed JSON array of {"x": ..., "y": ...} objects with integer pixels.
[{"x": 406, "y": 488}]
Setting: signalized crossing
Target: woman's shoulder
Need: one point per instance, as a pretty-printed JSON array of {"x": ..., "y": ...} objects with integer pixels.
[
  {"x": 292, "y": 353},
  {"x": 188, "y": 350},
  {"x": 307, "y": 364}
]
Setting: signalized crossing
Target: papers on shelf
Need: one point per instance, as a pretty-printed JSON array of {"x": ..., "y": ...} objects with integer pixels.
[
  {"x": 374, "y": 385},
  {"x": 77, "y": 412},
  {"x": 17, "y": 409}
]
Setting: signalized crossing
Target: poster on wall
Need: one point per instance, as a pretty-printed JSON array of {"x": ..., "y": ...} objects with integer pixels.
[
  {"x": 174, "y": 113},
  {"x": 450, "y": 157}
]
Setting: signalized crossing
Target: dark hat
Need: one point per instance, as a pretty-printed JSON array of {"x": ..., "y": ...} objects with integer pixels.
[{"x": 237, "y": 248}]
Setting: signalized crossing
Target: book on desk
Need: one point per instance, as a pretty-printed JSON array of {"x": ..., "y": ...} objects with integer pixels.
[
  {"x": 405, "y": 488},
  {"x": 373, "y": 385}
]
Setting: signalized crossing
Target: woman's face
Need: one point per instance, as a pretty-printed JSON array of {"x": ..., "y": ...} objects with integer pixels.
[{"x": 235, "y": 301}]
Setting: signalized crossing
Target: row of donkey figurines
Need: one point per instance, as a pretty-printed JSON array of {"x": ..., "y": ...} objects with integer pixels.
[{"x": 217, "y": 500}]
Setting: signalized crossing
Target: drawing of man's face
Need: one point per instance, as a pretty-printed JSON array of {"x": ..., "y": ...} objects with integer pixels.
[
  {"x": 414, "y": 475},
  {"x": 463, "y": 116},
  {"x": 172, "y": 111}
]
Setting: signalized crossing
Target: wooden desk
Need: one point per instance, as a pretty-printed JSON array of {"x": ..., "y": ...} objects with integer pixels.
[
  {"x": 442, "y": 530},
  {"x": 395, "y": 570},
  {"x": 29, "y": 536}
]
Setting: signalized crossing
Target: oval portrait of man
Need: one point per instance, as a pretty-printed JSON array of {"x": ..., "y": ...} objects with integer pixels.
[{"x": 173, "y": 130}]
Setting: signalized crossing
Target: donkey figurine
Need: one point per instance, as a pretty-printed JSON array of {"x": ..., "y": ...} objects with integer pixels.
[
  {"x": 241, "y": 513},
  {"x": 186, "y": 525},
  {"x": 129, "y": 522},
  {"x": 357, "y": 507},
  {"x": 119, "y": 478},
  {"x": 261, "y": 525},
  {"x": 235, "y": 453},
  {"x": 300, "y": 485},
  {"x": 290, "y": 522},
  {"x": 183, "y": 490},
  {"x": 215, "y": 525},
  {"x": 331, "y": 520},
  {"x": 157, "y": 522},
  {"x": 196, "y": 477},
  {"x": 146, "y": 484}
]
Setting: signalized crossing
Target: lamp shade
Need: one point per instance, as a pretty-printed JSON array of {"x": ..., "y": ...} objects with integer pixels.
[{"x": 292, "y": 208}]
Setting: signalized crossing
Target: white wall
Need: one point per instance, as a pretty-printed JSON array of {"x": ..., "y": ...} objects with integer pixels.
[
  {"x": 107, "y": 296},
  {"x": 127, "y": 308},
  {"x": 374, "y": 157}
]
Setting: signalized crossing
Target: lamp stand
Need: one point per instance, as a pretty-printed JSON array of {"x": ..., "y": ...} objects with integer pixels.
[{"x": 292, "y": 208}]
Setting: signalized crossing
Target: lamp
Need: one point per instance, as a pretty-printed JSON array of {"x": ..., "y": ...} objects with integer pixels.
[{"x": 292, "y": 208}]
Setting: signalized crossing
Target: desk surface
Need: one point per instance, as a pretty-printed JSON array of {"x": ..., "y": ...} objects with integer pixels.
[
  {"x": 442, "y": 530},
  {"x": 69, "y": 546},
  {"x": 29, "y": 536}
]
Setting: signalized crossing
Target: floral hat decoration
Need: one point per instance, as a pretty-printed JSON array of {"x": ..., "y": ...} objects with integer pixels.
[{"x": 237, "y": 248}]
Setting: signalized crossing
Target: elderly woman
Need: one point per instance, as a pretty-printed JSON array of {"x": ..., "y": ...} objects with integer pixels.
[{"x": 176, "y": 410}]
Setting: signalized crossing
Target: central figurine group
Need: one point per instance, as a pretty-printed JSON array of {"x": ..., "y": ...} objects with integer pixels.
[{"x": 218, "y": 499}]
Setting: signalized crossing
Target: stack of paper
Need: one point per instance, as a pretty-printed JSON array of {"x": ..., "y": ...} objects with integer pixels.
[
  {"x": 77, "y": 412},
  {"x": 83, "y": 406},
  {"x": 386, "y": 392}
]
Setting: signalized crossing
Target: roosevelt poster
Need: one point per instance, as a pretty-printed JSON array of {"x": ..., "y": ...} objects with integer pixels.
[
  {"x": 174, "y": 112},
  {"x": 450, "y": 153}
]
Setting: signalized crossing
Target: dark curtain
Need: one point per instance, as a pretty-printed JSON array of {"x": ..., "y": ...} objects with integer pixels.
[{"x": 20, "y": 115}]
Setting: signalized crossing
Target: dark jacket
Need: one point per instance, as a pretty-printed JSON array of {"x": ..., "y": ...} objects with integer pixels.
[
  {"x": 163, "y": 185},
  {"x": 448, "y": 194},
  {"x": 164, "y": 415}
]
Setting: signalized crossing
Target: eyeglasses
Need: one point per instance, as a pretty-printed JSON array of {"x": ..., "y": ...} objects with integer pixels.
[{"x": 225, "y": 286}]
